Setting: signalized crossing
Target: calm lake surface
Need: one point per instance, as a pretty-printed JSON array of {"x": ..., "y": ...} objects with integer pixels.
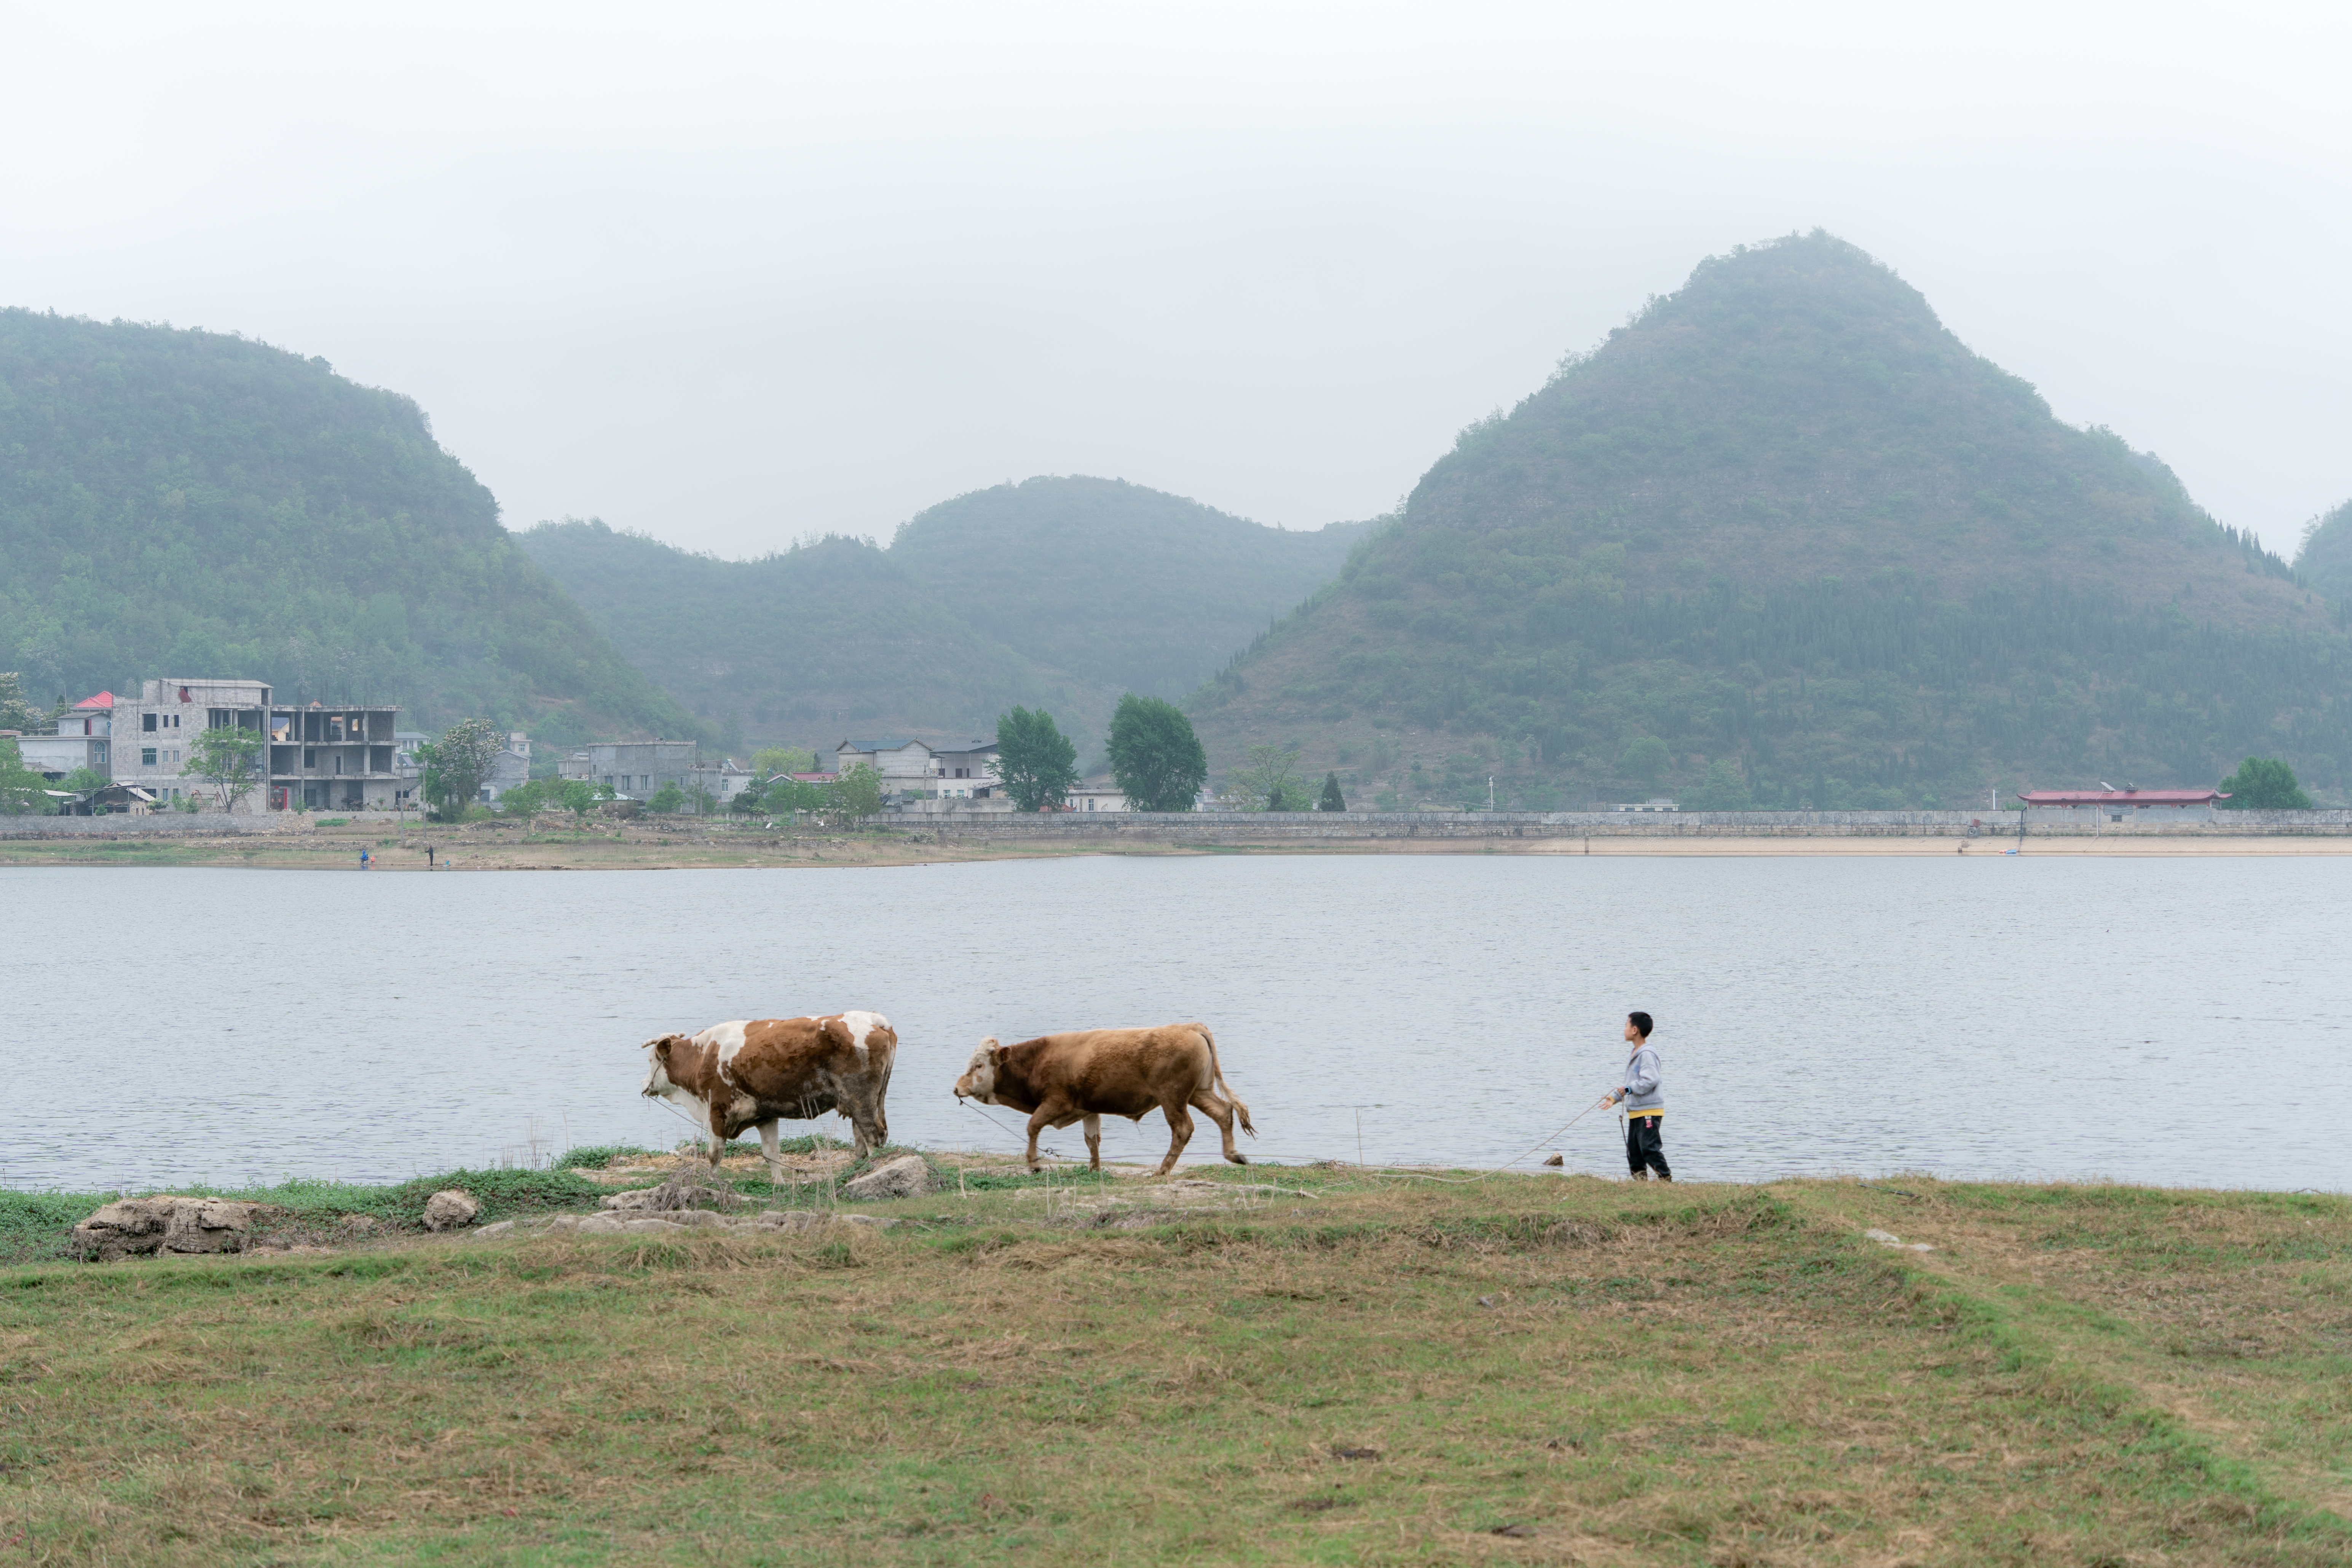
[{"x": 2172, "y": 1021}]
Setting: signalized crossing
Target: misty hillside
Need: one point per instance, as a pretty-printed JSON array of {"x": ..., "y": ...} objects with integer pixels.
[
  {"x": 1145, "y": 591},
  {"x": 2326, "y": 558},
  {"x": 806, "y": 646},
  {"x": 186, "y": 503},
  {"x": 1065, "y": 592},
  {"x": 1790, "y": 526}
]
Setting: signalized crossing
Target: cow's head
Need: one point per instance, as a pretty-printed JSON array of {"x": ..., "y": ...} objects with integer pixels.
[
  {"x": 978, "y": 1080},
  {"x": 658, "y": 1082}
]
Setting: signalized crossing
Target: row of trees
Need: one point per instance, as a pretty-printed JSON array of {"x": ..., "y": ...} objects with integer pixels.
[{"x": 1156, "y": 760}]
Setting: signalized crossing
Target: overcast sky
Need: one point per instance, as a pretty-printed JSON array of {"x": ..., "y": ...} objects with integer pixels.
[{"x": 735, "y": 276}]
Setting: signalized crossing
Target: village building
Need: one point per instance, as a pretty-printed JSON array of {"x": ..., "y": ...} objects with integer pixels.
[
  {"x": 509, "y": 769},
  {"x": 82, "y": 737},
  {"x": 634, "y": 770},
  {"x": 315, "y": 757},
  {"x": 2126, "y": 804},
  {"x": 1099, "y": 794},
  {"x": 907, "y": 767}
]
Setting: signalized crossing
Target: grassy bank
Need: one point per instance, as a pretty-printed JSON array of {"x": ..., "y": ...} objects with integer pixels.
[{"x": 1341, "y": 1368}]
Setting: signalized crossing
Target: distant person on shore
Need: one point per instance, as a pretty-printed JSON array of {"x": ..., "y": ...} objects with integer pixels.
[
  {"x": 363, "y": 859},
  {"x": 1644, "y": 1100}
]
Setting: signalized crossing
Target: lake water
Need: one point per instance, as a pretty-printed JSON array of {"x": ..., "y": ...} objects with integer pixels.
[{"x": 2169, "y": 1021}]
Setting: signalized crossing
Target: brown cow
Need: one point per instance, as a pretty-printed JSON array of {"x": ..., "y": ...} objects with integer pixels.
[
  {"x": 748, "y": 1073},
  {"x": 1089, "y": 1074}
]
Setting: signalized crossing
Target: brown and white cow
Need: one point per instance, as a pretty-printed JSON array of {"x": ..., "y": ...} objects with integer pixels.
[
  {"x": 1089, "y": 1074},
  {"x": 750, "y": 1072}
]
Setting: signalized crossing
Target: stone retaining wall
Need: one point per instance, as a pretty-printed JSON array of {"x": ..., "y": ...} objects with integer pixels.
[
  {"x": 1267, "y": 827},
  {"x": 163, "y": 824}
]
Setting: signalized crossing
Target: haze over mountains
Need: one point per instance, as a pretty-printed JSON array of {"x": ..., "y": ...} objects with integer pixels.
[
  {"x": 1781, "y": 541},
  {"x": 1790, "y": 526},
  {"x": 194, "y": 504},
  {"x": 1061, "y": 591}
]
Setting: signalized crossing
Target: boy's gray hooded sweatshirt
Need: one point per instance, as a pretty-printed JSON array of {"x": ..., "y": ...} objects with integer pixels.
[{"x": 1644, "y": 1093}]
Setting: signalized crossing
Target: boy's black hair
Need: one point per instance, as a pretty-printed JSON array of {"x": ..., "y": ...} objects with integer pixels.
[{"x": 1641, "y": 1021}]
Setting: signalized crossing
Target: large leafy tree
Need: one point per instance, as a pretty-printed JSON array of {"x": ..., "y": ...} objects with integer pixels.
[
  {"x": 15, "y": 712},
  {"x": 1155, "y": 757},
  {"x": 1037, "y": 762},
  {"x": 23, "y": 793},
  {"x": 228, "y": 758},
  {"x": 2263, "y": 784},
  {"x": 456, "y": 763}
]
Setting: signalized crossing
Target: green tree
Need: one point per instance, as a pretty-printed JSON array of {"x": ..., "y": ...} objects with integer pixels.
[
  {"x": 530, "y": 798},
  {"x": 1270, "y": 783},
  {"x": 228, "y": 758},
  {"x": 456, "y": 763},
  {"x": 1724, "y": 788},
  {"x": 1645, "y": 762},
  {"x": 23, "y": 793},
  {"x": 2263, "y": 784},
  {"x": 1155, "y": 757},
  {"x": 773, "y": 759},
  {"x": 81, "y": 781},
  {"x": 1037, "y": 762},
  {"x": 14, "y": 715},
  {"x": 1332, "y": 799},
  {"x": 668, "y": 799},
  {"x": 854, "y": 795}
]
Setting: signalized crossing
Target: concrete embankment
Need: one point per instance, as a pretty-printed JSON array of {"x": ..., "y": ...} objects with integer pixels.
[{"x": 2325, "y": 831}]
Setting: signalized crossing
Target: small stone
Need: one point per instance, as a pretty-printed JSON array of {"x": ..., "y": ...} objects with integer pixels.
[
  {"x": 871, "y": 1221},
  {"x": 451, "y": 1208},
  {"x": 1557, "y": 1160},
  {"x": 695, "y": 1218},
  {"x": 636, "y": 1198},
  {"x": 564, "y": 1222},
  {"x": 1882, "y": 1238},
  {"x": 599, "y": 1225},
  {"x": 503, "y": 1227},
  {"x": 650, "y": 1226},
  {"x": 904, "y": 1177},
  {"x": 1486, "y": 1300}
]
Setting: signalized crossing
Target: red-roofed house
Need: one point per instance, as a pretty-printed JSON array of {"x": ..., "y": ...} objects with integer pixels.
[
  {"x": 80, "y": 742},
  {"x": 2135, "y": 805}
]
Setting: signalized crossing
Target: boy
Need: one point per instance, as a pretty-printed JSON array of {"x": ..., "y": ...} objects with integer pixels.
[{"x": 1646, "y": 1102}]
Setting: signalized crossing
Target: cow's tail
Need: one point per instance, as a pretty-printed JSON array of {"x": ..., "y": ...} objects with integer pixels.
[{"x": 1217, "y": 1079}]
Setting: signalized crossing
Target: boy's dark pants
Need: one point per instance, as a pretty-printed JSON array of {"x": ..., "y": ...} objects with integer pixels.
[{"x": 1643, "y": 1147}]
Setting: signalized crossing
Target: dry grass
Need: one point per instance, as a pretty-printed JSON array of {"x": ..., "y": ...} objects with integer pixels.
[{"x": 1520, "y": 1371}]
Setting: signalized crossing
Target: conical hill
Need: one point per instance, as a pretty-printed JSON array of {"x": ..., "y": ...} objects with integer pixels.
[{"x": 1787, "y": 526}]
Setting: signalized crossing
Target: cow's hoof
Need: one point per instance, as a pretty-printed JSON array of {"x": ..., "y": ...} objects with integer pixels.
[{"x": 1238, "y": 1158}]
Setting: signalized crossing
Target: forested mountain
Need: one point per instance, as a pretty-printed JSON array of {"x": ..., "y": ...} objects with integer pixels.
[
  {"x": 1784, "y": 538},
  {"x": 1060, "y": 592},
  {"x": 806, "y": 646},
  {"x": 187, "y": 503},
  {"x": 2326, "y": 558},
  {"x": 1145, "y": 591}
]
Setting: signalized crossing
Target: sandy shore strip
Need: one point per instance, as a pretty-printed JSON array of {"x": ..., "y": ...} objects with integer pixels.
[{"x": 483, "y": 848}]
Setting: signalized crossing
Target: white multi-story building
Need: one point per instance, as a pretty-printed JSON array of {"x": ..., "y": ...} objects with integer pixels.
[{"x": 954, "y": 770}]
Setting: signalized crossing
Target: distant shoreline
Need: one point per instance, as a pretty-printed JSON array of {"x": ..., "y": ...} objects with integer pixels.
[{"x": 483, "y": 847}]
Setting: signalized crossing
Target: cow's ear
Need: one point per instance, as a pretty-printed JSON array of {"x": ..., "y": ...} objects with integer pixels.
[{"x": 661, "y": 1048}]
